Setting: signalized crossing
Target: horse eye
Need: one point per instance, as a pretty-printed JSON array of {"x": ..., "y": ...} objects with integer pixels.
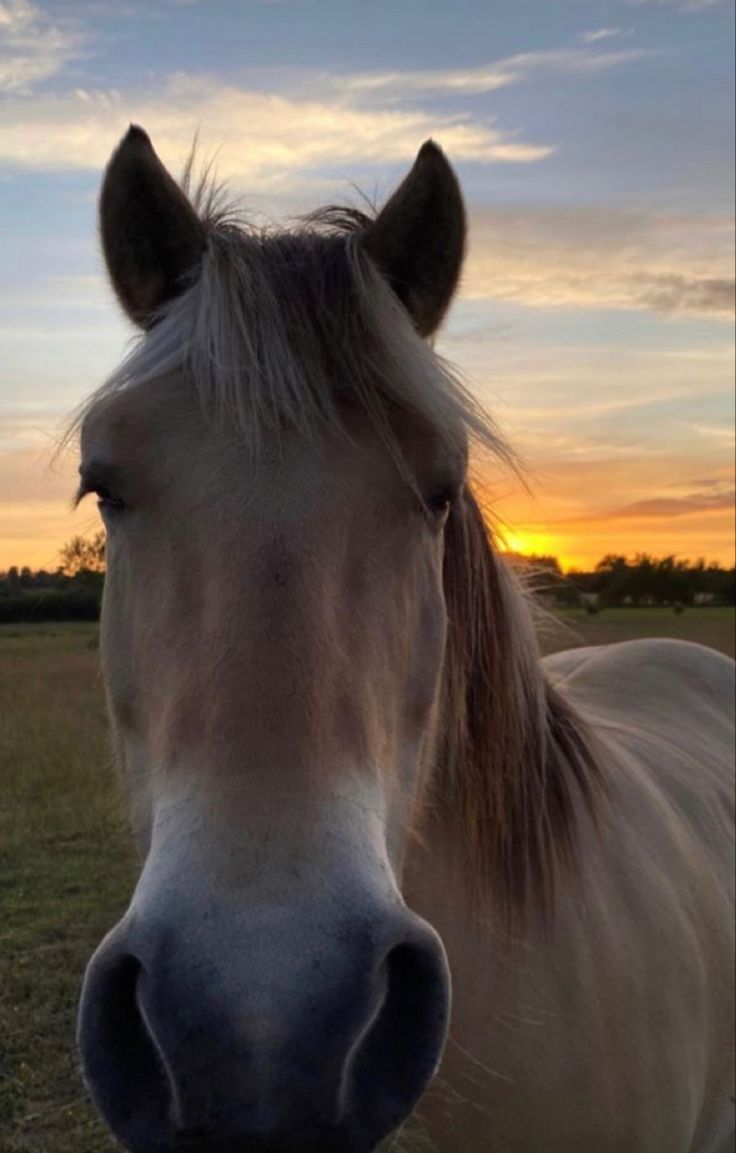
[
  {"x": 107, "y": 502},
  {"x": 440, "y": 502}
]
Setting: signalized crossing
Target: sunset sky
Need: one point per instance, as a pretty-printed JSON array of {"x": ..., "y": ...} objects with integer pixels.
[{"x": 594, "y": 141}]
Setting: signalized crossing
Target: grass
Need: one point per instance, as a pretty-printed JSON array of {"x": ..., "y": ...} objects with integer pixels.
[
  {"x": 715, "y": 627},
  {"x": 66, "y": 867}
]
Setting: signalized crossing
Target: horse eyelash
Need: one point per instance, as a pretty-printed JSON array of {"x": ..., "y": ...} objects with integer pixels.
[{"x": 105, "y": 497}]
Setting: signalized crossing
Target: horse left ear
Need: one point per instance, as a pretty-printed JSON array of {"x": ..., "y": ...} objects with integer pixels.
[
  {"x": 152, "y": 238},
  {"x": 418, "y": 238}
]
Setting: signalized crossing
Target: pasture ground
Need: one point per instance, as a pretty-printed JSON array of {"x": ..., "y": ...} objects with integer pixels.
[
  {"x": 715, "y": 627},
  {"x": 66, "y": 866}
]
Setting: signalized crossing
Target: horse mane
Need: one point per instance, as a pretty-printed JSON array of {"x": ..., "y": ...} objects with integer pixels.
[
  {"x": 272, "y": 321},
  {"x": 518, "y": 764}
]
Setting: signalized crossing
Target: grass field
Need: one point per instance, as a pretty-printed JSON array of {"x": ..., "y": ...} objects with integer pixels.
[
  {"x": 715, "y": 627},
  {"x": 66, "y": 868}
]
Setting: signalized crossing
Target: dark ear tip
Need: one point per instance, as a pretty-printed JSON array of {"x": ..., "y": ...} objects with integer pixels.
[
  {"x": 430, "y": 149},
  {"x": 431, "y": 155},
  {"x": 433, "y": 166},
  {"x": 137, "y": 135}
]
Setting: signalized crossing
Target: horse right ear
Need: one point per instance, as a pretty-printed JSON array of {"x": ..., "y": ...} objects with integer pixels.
[{"x": 152, "y": 238}]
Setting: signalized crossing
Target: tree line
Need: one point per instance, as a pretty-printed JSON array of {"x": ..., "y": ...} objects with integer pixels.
[
  {"x": 643, "y": 580},
  {"x": 73, "y": 591}
]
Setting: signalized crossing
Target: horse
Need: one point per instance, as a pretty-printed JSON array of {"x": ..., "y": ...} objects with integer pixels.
[{"x": 404, "y": 884}]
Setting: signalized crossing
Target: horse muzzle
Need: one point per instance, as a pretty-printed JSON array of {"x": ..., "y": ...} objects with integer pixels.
[{"x": 285, "y": 1037}]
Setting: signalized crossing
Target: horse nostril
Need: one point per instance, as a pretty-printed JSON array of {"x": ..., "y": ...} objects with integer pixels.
[
  {"x": 123, "y": 1068},
  {"x": 400, "y": 1053},
  {"x": 174, "y": 1064}
]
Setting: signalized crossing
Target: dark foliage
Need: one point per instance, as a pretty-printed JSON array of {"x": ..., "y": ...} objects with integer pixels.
[
  {"x": 45, "y": 596},
  {"x": 648, "y": 580}
]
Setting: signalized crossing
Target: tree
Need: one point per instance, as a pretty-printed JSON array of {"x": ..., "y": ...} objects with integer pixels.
[
  {"x": 612, "y": 577},
  {"x": 83, "y": 555},
  {"x": 612, "y": 563}
]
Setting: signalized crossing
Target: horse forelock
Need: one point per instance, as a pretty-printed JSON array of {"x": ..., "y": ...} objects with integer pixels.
[{"x": 279, "y": 326}]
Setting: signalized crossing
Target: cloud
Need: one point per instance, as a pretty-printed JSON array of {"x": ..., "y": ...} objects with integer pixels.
[
  {"x": 708, "y": 482},
  {"x": 266, "y": 138},
  {"x": 603, "y": 258},
  {"x": 598, "y": 34},
  {"x": 276, "y": 122},
  {"x": 32, "y": 47},
  {"x": 717, "y": 433},
  {"x": 500, "y": 74},
  {"x": 675, "y": 293},
  {"x": 683, "y": 5},
  {"x": 697, "y": 502}
]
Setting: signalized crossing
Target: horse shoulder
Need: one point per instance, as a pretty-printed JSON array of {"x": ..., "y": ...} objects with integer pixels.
[{"x": 647, "y": 671}]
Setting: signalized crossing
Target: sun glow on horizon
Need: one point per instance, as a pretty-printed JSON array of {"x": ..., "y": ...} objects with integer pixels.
[{"x": 526, "y": 542}]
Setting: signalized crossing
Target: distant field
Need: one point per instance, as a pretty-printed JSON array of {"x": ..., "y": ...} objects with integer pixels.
[
  {"x": 66, "y": 868},
  {"x": 715, "y": 627}
]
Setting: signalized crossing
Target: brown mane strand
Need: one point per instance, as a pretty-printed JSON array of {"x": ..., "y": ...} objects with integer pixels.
[{"x": 517, "y": 762}]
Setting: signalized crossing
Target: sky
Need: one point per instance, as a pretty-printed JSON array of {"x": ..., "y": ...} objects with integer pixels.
[{"x": 594, "y": 140}]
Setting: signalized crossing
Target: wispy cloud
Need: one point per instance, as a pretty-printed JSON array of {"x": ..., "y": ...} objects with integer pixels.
[
  {"x": 33, "y": 47},
  {"x": 595, "y": 35},
  {"x": 696, "y": 502},
  {"x": 265, "y": 138},
  {"x": 273, "y": 124},
  {"x": 678, "y": 293},
  {"x": 603, "y": 258},
  {"x": 684, "y": 5},
  {"x": 511, "y": 70},
  {"x": 723, "y": 436}
]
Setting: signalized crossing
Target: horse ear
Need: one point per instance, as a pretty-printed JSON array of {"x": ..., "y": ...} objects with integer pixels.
[
  {"x": 152, "y": 238},
  {"x": 418, "y": 238}
]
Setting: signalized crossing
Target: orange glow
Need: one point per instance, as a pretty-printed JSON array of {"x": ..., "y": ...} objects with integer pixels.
[
  {"x": 528, "y": 542},
  {"x": 582, "y": 542},
  {"x": 580, "y": 511}
]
